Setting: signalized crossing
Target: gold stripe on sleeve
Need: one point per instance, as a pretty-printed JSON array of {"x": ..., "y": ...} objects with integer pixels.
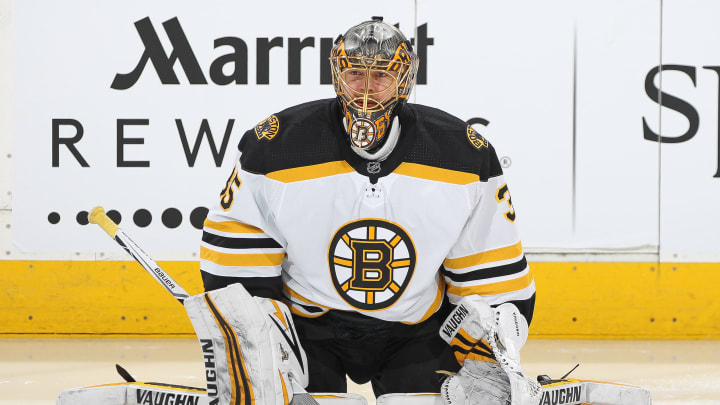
[
  {"x": 488, "y": 256},
  {"x": 231, "y": 226},
  {"x": 311, "y": 172},
  {"x": 492, "y": 288},
  {"x": 436, "y": 174},
  {"x": 228, "y": 259}
]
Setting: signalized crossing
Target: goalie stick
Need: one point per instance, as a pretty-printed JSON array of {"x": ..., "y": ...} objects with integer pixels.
[{"x": 98, "y": 216}]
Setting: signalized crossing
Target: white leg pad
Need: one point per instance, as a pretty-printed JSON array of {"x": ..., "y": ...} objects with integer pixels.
[
  {"x": 572, "y": 392},
  {"x": 132, "y": 394},
  {"x": 138, "y": 393},
  {"x": 251, "y": 350},
  {"x": 410, "y": 399},
  {"x": 335, "y": 398}
]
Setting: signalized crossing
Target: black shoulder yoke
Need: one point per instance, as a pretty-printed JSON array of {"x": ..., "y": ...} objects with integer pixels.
[
  {"x": 302, "y": 135},
  {"x": 312, "y": 133},
  {"x": 447, "y": 142}
]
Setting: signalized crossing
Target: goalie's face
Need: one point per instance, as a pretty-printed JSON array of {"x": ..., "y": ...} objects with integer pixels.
[{"x": 367, "y": 89}]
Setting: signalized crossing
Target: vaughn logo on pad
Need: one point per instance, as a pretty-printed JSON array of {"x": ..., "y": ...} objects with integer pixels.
[
  {"x": 166, "y": 398},
  {"x": 562, "y": 395},
  {"x": 452, "y": 324}
]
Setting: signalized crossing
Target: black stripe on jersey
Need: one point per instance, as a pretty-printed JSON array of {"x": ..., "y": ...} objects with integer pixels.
[
  {"x": 266, "y": 287},
  {"x": 308, "y": 308},
  {"x": 239, "y": 243},
  {"x": 491, "y": 272}
]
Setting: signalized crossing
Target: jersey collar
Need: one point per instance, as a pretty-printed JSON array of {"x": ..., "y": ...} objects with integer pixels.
[{"x": 370, "y": 168}]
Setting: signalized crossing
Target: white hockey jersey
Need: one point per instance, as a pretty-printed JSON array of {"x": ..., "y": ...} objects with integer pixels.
[{"x": 387, "y": 239}]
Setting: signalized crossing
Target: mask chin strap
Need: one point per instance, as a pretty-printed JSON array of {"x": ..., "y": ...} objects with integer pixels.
[{"x": 384, "y": 151}]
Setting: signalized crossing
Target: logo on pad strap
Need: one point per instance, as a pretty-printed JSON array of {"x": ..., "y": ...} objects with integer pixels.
[{"x": 371, "y": 263}]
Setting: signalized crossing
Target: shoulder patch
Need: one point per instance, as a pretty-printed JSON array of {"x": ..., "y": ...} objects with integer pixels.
[
  {"x": 268, "y": 128},
  {"x": 476, "y": 140}
]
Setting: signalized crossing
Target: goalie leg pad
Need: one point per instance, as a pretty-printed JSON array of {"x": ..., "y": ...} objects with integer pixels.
[
  {"x": 250, "y": 347},
  {"x": 135, "y": 393},
  {"x": 427, "y": 398}
]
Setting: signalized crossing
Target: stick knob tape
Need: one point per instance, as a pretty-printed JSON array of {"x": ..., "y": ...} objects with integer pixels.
[{"x": 97, "y": 216}]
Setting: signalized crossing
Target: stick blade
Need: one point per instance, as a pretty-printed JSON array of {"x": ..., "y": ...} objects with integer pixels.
[{"x": 124, "y": 373}]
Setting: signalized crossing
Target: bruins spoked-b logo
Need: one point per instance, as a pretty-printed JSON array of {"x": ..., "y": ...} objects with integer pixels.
[
  {"x": 476, "y": 140},
  {"x": 371, "y": 263},
  {"x": 267, "y": 128}
]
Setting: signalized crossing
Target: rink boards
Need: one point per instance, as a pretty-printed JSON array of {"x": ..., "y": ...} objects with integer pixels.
[{"x": 575, "y": 299}]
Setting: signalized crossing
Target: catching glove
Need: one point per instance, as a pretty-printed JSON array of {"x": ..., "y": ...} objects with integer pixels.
[{"x": 487, "y": 343}]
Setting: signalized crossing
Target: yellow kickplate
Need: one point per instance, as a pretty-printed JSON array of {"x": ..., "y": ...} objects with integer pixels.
[
  {"x": 627, "y": 300},
  {"x": 574, "y": 300},
  {"x": 92, "y": 297}
]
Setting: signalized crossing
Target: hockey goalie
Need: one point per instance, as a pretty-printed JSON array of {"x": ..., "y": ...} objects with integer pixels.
[
  {"x": 368, "y": 238},
  {"x": 376, "y": 219}
]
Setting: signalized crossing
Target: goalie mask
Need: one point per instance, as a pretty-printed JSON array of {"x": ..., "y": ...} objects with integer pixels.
[{"x": 373, "y": 67}]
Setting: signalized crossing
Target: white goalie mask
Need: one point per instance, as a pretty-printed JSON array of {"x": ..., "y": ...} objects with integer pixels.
[{"x": 374, "y": 70}]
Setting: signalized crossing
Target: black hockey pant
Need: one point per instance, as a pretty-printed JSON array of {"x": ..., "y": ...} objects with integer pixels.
[{"x": 393, "y": 356}]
